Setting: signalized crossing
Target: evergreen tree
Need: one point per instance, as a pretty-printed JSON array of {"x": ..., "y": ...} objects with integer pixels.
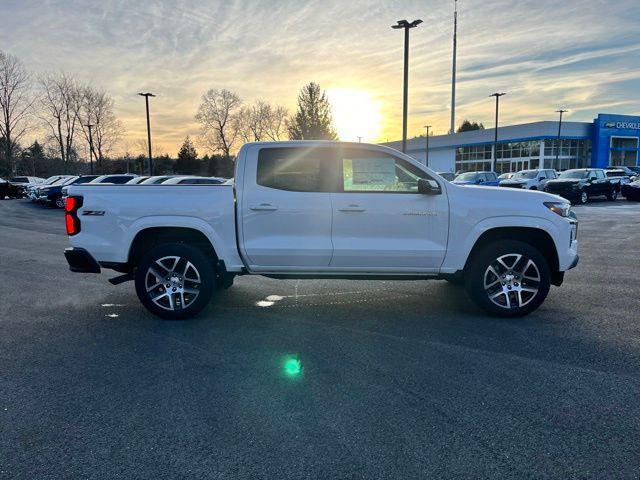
[
  {"x": 312, "y": 120},
  {"x": 468, "y": 126},
  {"x": 188, "y": 162}
]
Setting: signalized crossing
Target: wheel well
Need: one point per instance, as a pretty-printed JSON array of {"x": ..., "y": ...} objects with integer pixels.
[
  {"x": 535, "y": 237},
  {"x": 150, "y": 237}
]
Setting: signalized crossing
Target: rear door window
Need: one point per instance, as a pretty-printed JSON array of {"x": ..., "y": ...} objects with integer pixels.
[{"x": 295, "y": 169}]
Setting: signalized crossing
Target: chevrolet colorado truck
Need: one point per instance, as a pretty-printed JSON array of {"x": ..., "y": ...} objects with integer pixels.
[{"x": 315, "y": 209}]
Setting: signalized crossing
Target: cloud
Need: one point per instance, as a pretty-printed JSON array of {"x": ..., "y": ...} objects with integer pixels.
[{"x": 545, "y": 54}]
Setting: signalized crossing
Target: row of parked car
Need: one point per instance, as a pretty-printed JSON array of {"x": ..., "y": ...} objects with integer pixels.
[
  {"x": 52, "y": 191},
  {"x": 577, "y": 185}
]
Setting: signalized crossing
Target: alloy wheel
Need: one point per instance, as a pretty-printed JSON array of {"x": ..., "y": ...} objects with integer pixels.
[
  {"x": 173, "y": 283},
  {"x": 512, "y": 281}
]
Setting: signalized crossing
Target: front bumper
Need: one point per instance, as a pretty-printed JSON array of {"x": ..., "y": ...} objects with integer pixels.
[{"x": 81, "y": 261}]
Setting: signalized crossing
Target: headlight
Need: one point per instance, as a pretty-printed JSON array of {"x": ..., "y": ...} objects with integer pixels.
[{"x": 561, "y": 208}]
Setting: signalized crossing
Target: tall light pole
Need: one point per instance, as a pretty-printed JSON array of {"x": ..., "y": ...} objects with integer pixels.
[
  {"x": 146, "y": 99},
  {"x": 495, "y": 137},
  {"x": 452, "y": 129},
  {"x": 406, "y": 26},
  {"x": 90, "y": 126},
  {"x": 426, "y": 146},
  {"x": 559, "y": 131}
]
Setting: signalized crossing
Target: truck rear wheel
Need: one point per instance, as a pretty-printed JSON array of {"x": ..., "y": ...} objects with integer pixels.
[
  {"x": 175, "y": 281},
  {"x": 508, "y": 278}
]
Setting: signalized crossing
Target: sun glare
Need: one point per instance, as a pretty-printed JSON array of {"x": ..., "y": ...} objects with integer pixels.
[{"x": 355, "y": 114}]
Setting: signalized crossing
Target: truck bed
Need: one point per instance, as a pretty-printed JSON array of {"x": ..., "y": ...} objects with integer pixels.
[{"x": 112, "y": 215}]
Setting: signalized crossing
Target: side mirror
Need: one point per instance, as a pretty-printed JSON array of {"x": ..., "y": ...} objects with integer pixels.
[
  {"x": 591, "y": 179},
  {"x": 427, "y": 186}
]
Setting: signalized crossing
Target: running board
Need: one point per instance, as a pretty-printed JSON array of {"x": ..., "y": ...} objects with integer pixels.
[{"x": 121, "y": 279}]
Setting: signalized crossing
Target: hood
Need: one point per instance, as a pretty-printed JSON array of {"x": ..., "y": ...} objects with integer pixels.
[
  {"x": 463, "y": 182},
  {"x": 518, "y": 181},
  {"x": 565, "y": 181}
]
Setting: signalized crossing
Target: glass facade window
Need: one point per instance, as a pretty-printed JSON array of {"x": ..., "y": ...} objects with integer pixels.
[
  {"x": 623, "y": 151},
  {"x": 571, "y": 154}
]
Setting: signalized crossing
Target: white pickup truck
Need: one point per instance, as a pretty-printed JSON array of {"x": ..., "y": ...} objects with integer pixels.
[{"x": 317, "y": 209}]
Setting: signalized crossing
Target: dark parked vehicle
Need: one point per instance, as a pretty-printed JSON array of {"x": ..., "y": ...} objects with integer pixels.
[
  {"x": 486, "y": 179},
  {"x": 7, "y": 189},
  {"x": 635, "y": 169},
  {"x": 52, "y": 194},
  {"x": 632, "y": 191},
  {"x": 580, "y": 184},
  {"x": 626, "y": 171}
]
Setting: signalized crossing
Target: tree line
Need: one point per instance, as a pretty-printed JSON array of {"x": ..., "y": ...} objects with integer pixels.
[{"x": 66, "y": 113}]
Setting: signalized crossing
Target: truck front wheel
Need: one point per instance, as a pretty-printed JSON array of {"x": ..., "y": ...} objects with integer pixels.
[
  {"x": 508, "y": 278},
  {"x": 175, "y": 281}
]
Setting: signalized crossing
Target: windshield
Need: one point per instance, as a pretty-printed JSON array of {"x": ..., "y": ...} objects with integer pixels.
[
  {"x": 466, "y": 177},
  {"x": 574, "y": 174},
  {"x": 526, "y": 174},
  {"x": 67, "y": 181}
]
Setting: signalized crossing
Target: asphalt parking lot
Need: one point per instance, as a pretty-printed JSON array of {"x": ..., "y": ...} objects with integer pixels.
[{"x": 389, "y": 379}]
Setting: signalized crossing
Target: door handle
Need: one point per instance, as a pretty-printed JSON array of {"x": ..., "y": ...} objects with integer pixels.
[
  {"x": 352, "y": 208},
  {"x": 263, "y": 207}
]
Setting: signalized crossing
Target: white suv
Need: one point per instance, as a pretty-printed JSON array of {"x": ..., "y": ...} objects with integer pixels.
[{"x": 530, "y": 179}]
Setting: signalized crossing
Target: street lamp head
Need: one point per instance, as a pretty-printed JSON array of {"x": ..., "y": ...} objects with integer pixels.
[
  {"x": 406, "y": 24},
  {"x": 497, "y": 94},
  {"x": 146, "y": 94},
  {"x": 561, "y": 111}
]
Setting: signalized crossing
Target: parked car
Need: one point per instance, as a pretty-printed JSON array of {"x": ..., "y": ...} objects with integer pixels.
[
  {"x": 631, "y": 191},
  {"x": 580, "y": 184},
  {"x": 621, "y": 175},
  {"x": 22, "y": 182},
  {"x": 635, "y": 169},
  {"x": 194, "y": 181},
  {"x": 486, "y": 179},
  {"x": 35, "y": 190},
  {"x": 8, "y": 190},
  {"x": 448, "y": 176},
  {"x": 30, "y": 190},
  {"x": 52, "y": 194},
  {"x": 157, "y": 179},
  {"x": 534, "y": 179},
  {"x": 628, "y": 171},
  {"x": 506, "y": 176},
  {"x": 115, "y": 179},
  {"x": 316, "y": 209},
  {"x": 136, "y": 180}
]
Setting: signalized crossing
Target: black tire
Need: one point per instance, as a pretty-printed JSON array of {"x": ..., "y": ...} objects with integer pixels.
[
  {"x": 165, "y": 299},
  {"x": 59, "y": 202},
  {"x": 518, "y": 300},
  {"x": 583, "y": 197},
  {"x": 613, "y": 194}
]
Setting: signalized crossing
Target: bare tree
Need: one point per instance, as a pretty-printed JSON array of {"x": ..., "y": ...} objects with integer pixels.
[
  {"x": 16, "y": 100},
  {"x": 277, "y": 126},
  {"x": 219, "y": 117},
  {"x": 96, "y": 108},
  {"x": 262, "y": 121},
  {"x": 60, "y": 111}
]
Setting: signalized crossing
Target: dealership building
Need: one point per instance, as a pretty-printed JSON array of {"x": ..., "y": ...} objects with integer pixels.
[{"x": 608, "y": 140}]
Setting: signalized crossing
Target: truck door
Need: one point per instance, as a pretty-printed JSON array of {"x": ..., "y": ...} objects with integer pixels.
[
  {"x": 379, "y": 218},
  {"x": 285, "y": 209}
]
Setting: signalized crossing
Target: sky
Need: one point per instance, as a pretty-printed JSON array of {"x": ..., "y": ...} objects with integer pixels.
[{"x": 580, "y": 55}]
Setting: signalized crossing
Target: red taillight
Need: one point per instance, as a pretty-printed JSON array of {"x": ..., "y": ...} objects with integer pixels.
[{"x": 71, "y": 220}]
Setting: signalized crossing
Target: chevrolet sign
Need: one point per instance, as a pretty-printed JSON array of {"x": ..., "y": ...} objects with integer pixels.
[{"x": 623, "y": 125}]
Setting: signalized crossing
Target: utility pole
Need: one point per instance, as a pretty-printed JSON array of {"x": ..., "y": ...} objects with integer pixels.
[
  {"x": 495, "y": 137},
  {"x": 359, "y": 139},
  {"x": 559, "y": 131},
  {"x": 90, "y": 126},
  {"x": 406, "y": 26},
  {"x": 146, "y": 99},
  {"x": 452, "y": 128},
  {"x": 426, "y": 147}
]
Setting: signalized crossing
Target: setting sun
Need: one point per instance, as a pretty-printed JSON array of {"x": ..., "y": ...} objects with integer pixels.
[{"x": 355, "y": 114}]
